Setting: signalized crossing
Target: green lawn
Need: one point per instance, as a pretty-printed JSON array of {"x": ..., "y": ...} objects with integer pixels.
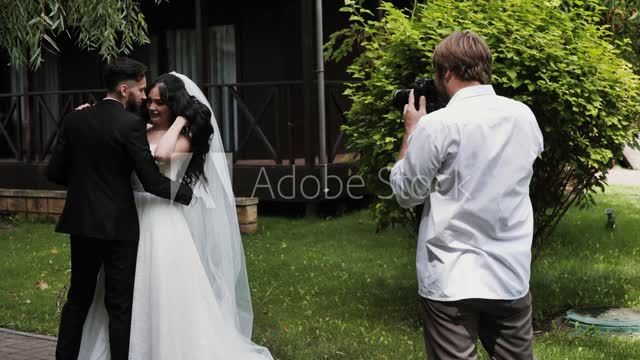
[{"x": 332, "y": 289}]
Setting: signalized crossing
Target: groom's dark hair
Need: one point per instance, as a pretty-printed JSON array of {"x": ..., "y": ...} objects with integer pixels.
[{"x": 122, "y": 69}]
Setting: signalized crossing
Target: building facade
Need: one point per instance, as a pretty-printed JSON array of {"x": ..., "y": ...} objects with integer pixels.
[{"x": 256, "y": 62}]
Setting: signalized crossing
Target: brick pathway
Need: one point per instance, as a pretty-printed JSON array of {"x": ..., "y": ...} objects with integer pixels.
[{"x": 15, "y": 345}]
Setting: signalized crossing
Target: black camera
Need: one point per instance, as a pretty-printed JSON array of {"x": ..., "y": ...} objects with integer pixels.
[{"x": 423, "y": 87}]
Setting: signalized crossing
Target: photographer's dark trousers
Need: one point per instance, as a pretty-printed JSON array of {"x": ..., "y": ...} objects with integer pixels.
[
  {"x": 452, "y": 329},
  {"x": 88, "y": 255}
]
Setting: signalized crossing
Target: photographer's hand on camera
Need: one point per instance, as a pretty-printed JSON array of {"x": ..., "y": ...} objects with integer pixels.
[
  {"x": 411, "y": 115},
  {"x": 411, "y": 118}
]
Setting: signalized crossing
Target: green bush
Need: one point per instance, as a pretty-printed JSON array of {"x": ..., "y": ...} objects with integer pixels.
[{"x": 559, "y": 62}]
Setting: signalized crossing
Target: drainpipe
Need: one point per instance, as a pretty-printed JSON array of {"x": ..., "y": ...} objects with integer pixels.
[{"x": 321, "y": 101}]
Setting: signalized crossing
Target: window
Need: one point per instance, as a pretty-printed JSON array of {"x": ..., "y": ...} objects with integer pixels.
[{"x": 181, "y": 57}]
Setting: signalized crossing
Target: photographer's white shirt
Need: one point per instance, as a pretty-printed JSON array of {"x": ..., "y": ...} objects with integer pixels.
[{"x": 470, "y": 164}]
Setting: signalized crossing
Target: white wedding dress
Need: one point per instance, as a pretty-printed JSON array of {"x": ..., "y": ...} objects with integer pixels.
[
  {"x": 176, "y": 314},
  {"x": 183, "y": 305}
]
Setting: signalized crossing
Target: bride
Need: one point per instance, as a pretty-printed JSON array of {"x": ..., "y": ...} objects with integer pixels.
[{"x": 191, "y": 294}]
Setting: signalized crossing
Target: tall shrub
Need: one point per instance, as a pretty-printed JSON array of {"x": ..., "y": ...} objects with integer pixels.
[{"x": 559, "y": 62}]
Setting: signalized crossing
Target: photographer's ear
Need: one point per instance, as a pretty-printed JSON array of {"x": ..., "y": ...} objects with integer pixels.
[{"x": 448, "y": 76}]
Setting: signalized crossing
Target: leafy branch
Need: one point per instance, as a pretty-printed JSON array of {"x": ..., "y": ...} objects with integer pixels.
[{"x": 112, "y": 27}]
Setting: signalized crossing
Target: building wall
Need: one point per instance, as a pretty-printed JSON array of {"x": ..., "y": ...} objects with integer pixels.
[{"x": 268, "y": 48}]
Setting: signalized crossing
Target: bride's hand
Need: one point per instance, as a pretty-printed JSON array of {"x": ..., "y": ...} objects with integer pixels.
[{"x": 182, "y": 121}]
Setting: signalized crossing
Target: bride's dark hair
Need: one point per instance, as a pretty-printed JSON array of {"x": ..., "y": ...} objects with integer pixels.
[{"x": 174, "y": 94}]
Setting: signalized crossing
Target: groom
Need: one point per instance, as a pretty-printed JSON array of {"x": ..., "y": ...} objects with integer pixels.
[{"x": 97, "y": 151}]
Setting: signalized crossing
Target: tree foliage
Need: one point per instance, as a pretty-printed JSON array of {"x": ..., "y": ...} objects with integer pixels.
[
  {"x": 560, "y": 63},
  {"x": 623, "y": 18},
  {"x": 111, "y": 27}
]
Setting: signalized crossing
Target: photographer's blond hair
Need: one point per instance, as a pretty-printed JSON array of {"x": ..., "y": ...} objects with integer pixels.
[{"x": 466, "y": 55}]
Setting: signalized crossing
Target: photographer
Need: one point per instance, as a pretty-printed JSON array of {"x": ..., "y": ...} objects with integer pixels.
[{"x": 470, "y": 164}]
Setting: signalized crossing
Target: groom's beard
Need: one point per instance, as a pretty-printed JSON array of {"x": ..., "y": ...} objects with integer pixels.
[{"x": 133, "y": 106}]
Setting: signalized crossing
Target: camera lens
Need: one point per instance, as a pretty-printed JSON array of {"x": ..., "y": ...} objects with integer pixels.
[{"x": 401, "y": 98}]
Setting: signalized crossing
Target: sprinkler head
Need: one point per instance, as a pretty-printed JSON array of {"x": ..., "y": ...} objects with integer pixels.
[{"x": 611, "y": 218}]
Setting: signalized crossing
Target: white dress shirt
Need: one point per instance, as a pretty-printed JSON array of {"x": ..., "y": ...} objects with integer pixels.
[{"x": 470, "y": 164}]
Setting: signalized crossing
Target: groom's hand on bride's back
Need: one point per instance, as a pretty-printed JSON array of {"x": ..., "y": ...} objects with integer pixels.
[{"x": 83, "y": 106}]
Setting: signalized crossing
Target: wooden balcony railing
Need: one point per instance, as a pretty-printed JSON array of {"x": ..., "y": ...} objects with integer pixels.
[{"x": 259, "y": 120}]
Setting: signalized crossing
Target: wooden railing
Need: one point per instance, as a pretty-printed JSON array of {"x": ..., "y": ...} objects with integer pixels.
[
  {"x": 29, "y": 122},
  {"x": 268, "y": 115},
  {"x": 257, "y": 120}
]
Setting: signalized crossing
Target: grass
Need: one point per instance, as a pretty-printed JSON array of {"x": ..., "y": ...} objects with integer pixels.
[
  {"x": 30, "y": 253},
  {"x": 332, "y": 289},
  {"x": 585, "y": 264}
]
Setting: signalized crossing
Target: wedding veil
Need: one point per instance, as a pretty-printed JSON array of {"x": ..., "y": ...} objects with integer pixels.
[{"x": 214, "y": 227}]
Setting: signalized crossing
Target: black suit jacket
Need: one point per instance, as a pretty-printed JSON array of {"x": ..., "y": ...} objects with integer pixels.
[{"x": 97, "y": 151}]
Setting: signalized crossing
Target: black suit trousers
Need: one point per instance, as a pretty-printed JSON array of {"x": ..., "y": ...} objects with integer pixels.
[{"x": 88, "y": 256}]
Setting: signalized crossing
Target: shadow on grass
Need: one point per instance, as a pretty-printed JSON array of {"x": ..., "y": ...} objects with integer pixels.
[
  {"x": 562, "y": 345},
  {"x": 584, "y": 264},
  {"x": 556, "y": 292},
  {"x": 380, "y": 301}
]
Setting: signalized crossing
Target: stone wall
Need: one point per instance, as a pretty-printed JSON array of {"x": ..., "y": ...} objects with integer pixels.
[
  {"x": 39, "y": 205},
  {"x": 47, "y": 205}
]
